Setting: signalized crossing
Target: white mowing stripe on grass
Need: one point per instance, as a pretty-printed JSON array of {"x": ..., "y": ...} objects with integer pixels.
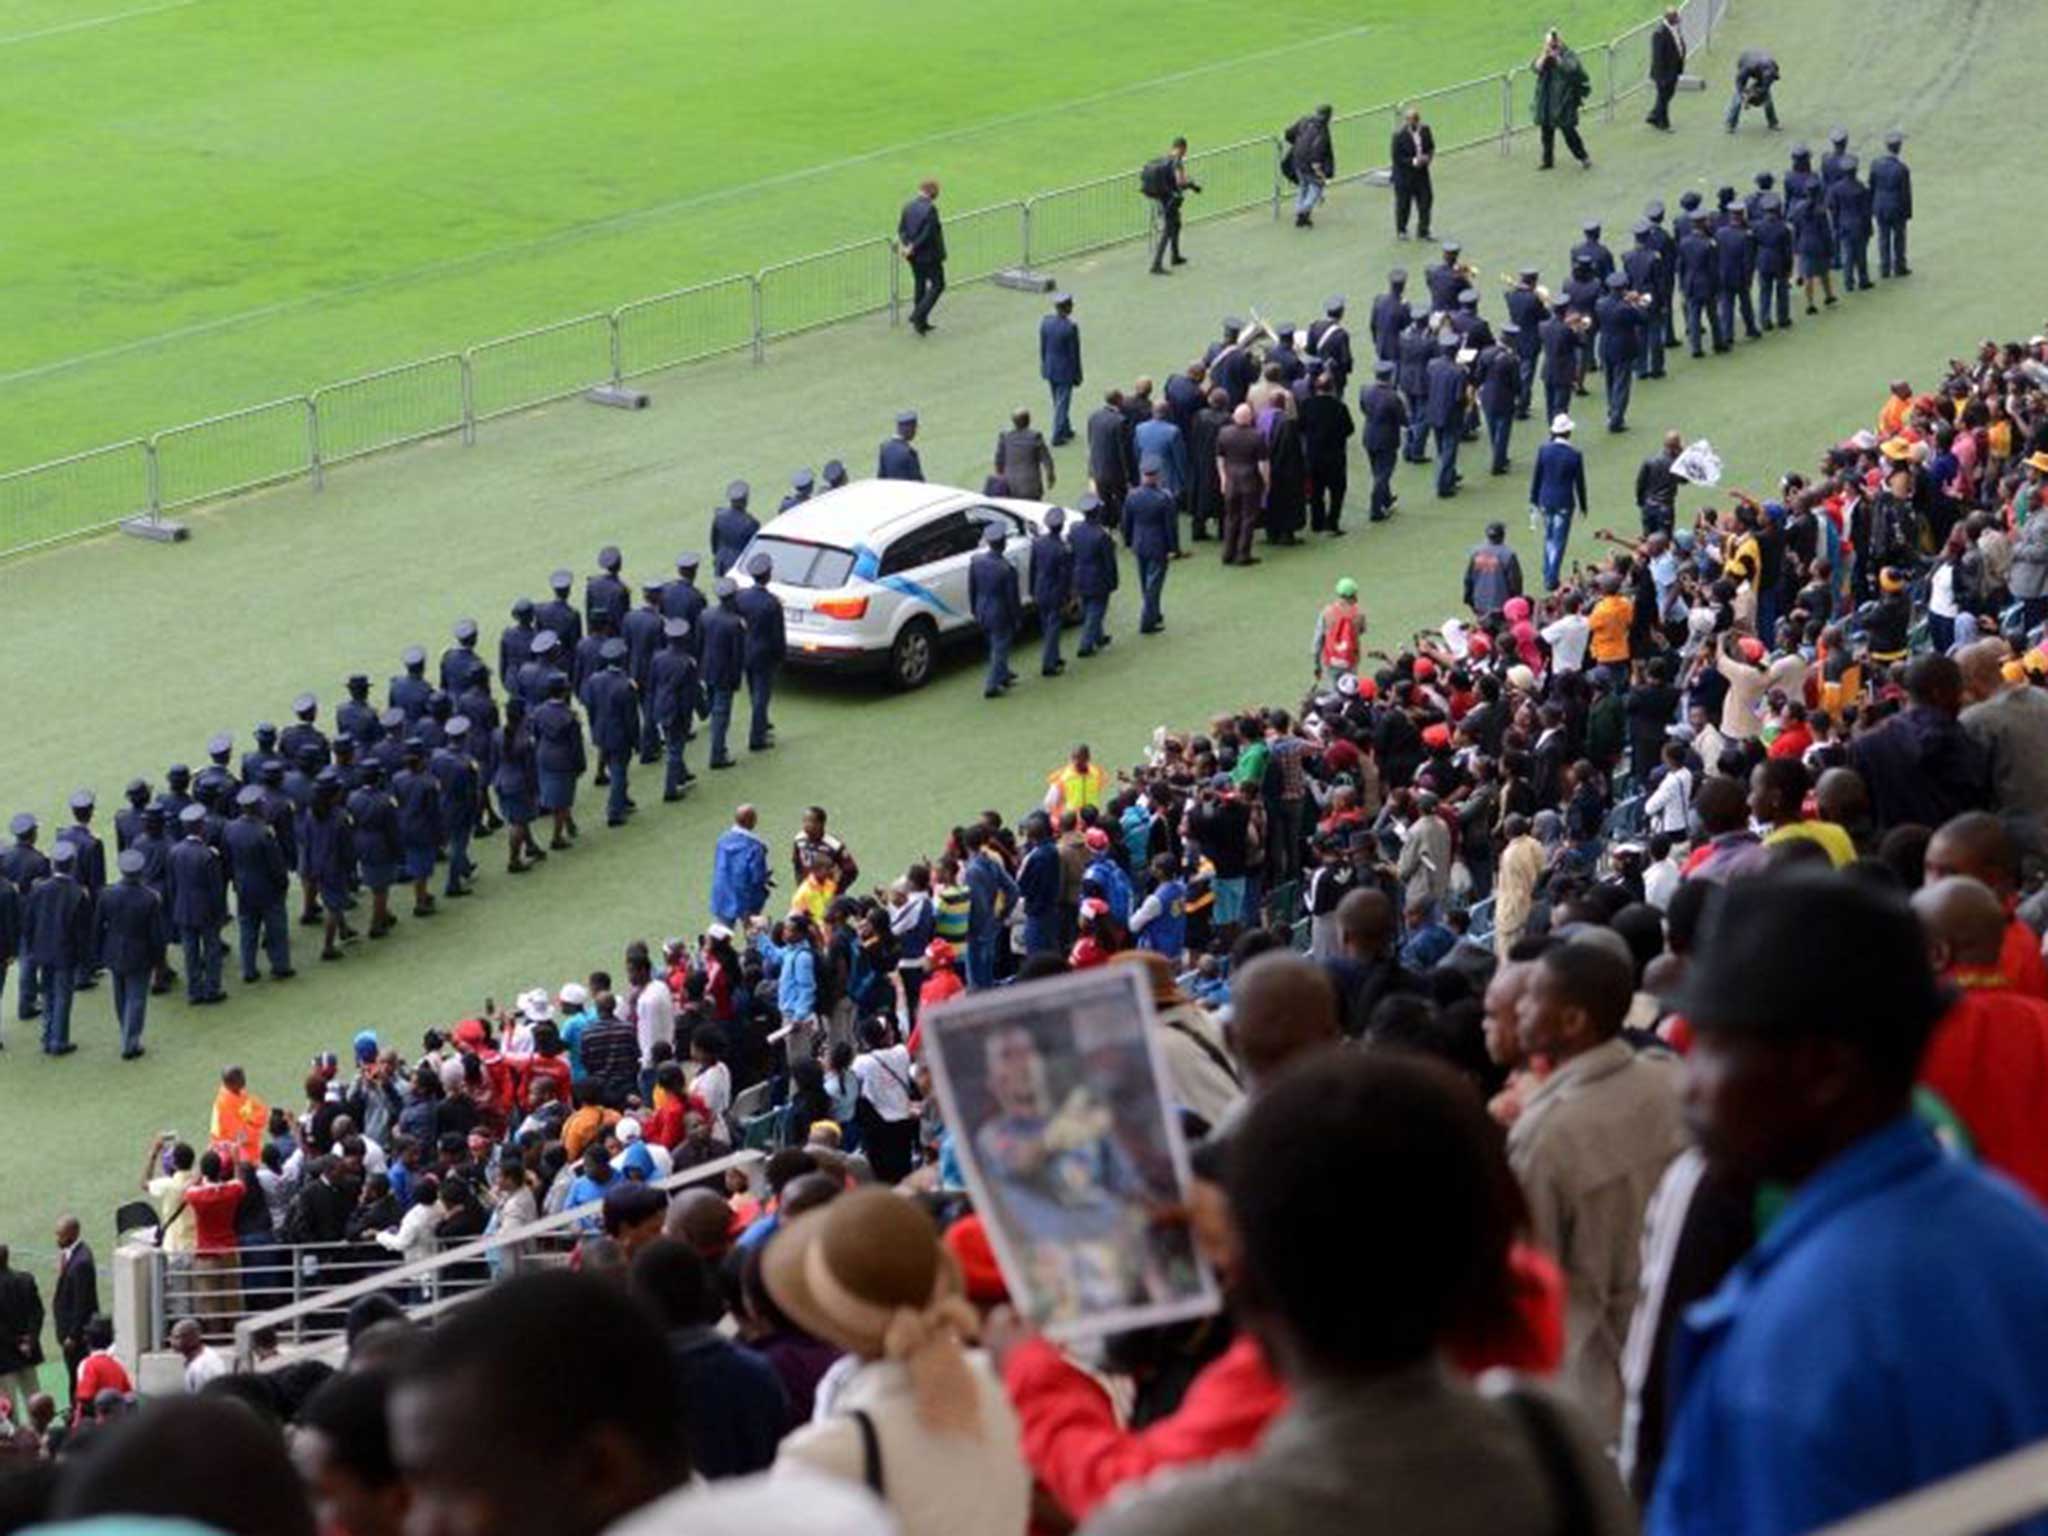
[
  {"x": 626, "y": 220},
  {"x": 90, "y": 22}
]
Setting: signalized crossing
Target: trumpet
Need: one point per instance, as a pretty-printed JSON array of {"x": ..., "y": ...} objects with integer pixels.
[
  {"x": 1466, "y": 270},
  {"x": 1539, "y": 290}
]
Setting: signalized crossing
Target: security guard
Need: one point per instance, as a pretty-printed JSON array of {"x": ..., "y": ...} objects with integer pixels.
[
  {"x": 1699, "y": 279},
  {"x": 460, "y": 664},
  {"x": 724, "y": 663},
  {"x": 800, "y": 486},
  {"x": 56, "y": 941},
  {"x": 261, "y": 877},
  {"x": 605, "y": 593},
  {"x": 897, "y": 459},
  {"x": 614, "y": 706},
  {"x": 1052, "y": 585},
  {"x": 461, "y": 781},
  {"x": 1526, "y": 312},
  {"x": 1594, "y": 254},
  {"x": 420, "y": 828},
  {"x": 22, "y": 865},
  {"x": 1621, "y": 321},
  {"x": 328, "y": 858},
  {"x": 1891, "y": 205},
  {"x": 642, "y": 634},
  {"x": 1391, "y": 315},
  {"x": 673, "y": 682},
  {"x": 559, "y": 759},
  {"x": 357, "y": 718},
  {"x": 767, "y": 648},
  {"x": 1849, "y": 205},
  {"x": 997, "y": 607},
  {"x": 128, "y": 820},
  {"x": 1500, "y": 384},
  {"x": 732, "y": 528},
  {"x": 1152, "y": 536},
  {"x": 1383, "y": 415},
  {"x": 1734, "y": 271},
  {"x": 515, "y": 641},
  {"x": 1444, "y": 412},
  {"x": 129, "y": 935},
  {"x": 559, "y": 614},
  {"x": 1095, "y": 572},
  {"x": 198, "y": 895}
]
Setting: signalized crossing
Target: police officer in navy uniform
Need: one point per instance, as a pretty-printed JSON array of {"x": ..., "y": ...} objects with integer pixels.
[
  {"x": 21, "y": 866},
  {"x": 356, "y": 718},
  {"x": 56, "y": 941},
  {"x": 380, "y": 857},
  {"x": 389, "y": 750},
  {"x": 89, "y": 865},
  {"x": 1500, "y": 383},
  {"x": 1059, "y": 363},
  {"x": 304, "y": 732},
  {"x": 455, "y": 769},
  {"x": 833, "y": 474},
  {"x": 614, "y": 706},
  {"x": 515, "y": 786},
  {"x": 1621, "y": 322},
  {"x": 642, "y": 634},
  {"x": 767, "y": 648},
  {"x": 1444, "y": 412},
  {"x": 197, "y": 888},
  {"x": 724, "y": 663},
  {"x": 897, "y": 459},
  {"x": 421, "y": 830},
  {"x": 1152, "y": 537},
  {"x": 558, "y": 613},
  {"x": 1891, "y": 205},
  {"x": 1643, "y": 266},
  {"x": 732, "y": 528},
  {"x": 460, "y": 664},
  {"x": 1095, "y": 572},
  {"x": 1735, "y": 270},
  {"x": 1699, "y": 281},
  {"x": 327, "y": 857},
  {"x": 683, "y": 598},
  {"x": 1052, "y": 584},
  {"x": 432, "y": 727},
  {"x": 1801, "y": 184},
  {"x": 1329, "y": 340},
  {"x": 128, "y": 820},
  {"x": 1773, "y": 263},
  {"x": 672, "y": 680},
  {"x": 1391, "y": 315},
  {"x": 409, "y": 692},
  {"x": 1443, "y": 280},
  {"x": 1833, "y": 165},
  {"x": 216, "y": 782},
  {"x": 1383, "y": 414},
  {"x": 605, "y": 592},
  {"x": 998, "y": 607},
  {"x": 559, "y": 759},
  {"x": 153, "y": 842},
  {"x": 801, "y": 484},
  {"x": 1666, "y": 245},
  {"x": 1849, "y": 205},
  {"x": 585, "y": 664},
  {"x": 1591, "y": 251},
  {"x": 281, "y": 810},
  {"x": 1560, "y": 343},
  {"x": 515, "y": 641},
  {"x": 539, "y": 669},
  {"x": 1526, "y": 311},
  {"x": 264, "y": 750},
  {"x": 129, "y": 935},
  {"x": 1418, "y": 351},
  {"x": 261, "y": 877}
]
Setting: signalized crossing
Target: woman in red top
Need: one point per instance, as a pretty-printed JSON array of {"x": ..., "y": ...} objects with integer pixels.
[
  {"x": 941, "y": 981},
  {"x": 100, "y": 1371}
]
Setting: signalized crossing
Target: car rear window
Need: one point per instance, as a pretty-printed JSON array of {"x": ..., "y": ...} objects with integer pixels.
[{"x": 817, "y": 566}]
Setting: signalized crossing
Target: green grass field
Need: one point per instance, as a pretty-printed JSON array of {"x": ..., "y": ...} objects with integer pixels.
[
  {"x": 213, "y": 203},
  {"x": 122, "y": 657}
]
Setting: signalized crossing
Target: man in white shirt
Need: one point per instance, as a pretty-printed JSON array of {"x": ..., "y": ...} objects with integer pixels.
[
  {"x": 654, "y": 1006},
  {"x": 1670, "y": 804},
  {"x": 203, "y": 1363},
  {"x": 713, "y": 1081},
  {"x": 1566, "y": 635},
  {"x": 166, "y": 1192}
]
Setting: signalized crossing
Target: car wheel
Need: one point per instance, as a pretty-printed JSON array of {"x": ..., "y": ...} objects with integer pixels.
[{"x": 912, "y": 656}]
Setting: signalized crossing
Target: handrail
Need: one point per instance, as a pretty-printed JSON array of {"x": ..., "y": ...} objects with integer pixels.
[{"x": 750, "y": 1162}]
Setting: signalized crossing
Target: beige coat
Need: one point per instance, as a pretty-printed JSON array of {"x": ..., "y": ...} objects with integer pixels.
[
  {"x": 1514, "y": 891},
  {"x": 1590, "y": 1145}
]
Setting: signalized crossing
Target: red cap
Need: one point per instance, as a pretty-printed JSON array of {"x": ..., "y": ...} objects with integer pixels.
[
  {"x": 1434, "y": 736},
  {"x": 967, "y": 1240},
  {"x": 1425, "y": 669},
  {"x": 1096, "y": 838},
  {"x": 469, "y": 1032}
]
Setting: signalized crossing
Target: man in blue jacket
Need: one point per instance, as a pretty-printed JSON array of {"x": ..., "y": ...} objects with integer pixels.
[
  {"x": 739, "y": 870},
  {"x": 1052, "y": 583},
  {"x": 257, "y": 869},
  {"x": 1095, "y": 574},
  {"x": 1059, "y": 363},
  {"x": 1038, "y": 887},
  {"x": 129, "y": 934},
  {"x": 725, "y": 651},
  {"x": 991, "y": 893},
  {"x": 993, "y": 597},
  {"x": 1151, "y": 534},
  {"x": 1383, "y": 414},
  {"x": 1557, "y": 487}
]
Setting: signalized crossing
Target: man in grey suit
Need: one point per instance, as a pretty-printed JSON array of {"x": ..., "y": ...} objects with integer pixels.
[{"x": 1023, "y": 459}]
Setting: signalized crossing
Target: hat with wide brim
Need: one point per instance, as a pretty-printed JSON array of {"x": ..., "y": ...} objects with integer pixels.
[
  {"x": 1159, "y": 975},
  {"x": 2038, "y": 461},
  {"x": 844, "y": 1270}
]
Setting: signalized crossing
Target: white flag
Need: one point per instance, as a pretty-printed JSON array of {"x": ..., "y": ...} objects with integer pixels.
[{"x": 1698, "y": 464}]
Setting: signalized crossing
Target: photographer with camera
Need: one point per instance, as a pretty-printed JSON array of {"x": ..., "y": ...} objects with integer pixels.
[{"x": 1166, "y": 182}]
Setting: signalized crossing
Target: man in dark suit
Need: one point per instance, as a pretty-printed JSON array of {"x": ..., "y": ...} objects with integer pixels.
[
  {"x": 1326, "y": 432},
  {"x": 1059, "y": 363},
  {"x": 1052, "y": 584},
  {"x": 922, "y": 242},
  {"x": 1109, "y": 453},
  {"x": 1385, "y": 414},
  {"x": 21, "y": 1332},
  {"x": 75, "y": 1300},
  {"x": 1667, "y": 63},
  {"x": 1411, "y": 155},
  {"x": 993, "y": 596}
]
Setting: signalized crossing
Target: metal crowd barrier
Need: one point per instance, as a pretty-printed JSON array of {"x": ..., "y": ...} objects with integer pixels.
[{"x": 301, "y": 435}]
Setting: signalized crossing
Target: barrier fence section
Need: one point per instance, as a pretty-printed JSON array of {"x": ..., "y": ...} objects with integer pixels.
[{"x": 300, "y": 435}]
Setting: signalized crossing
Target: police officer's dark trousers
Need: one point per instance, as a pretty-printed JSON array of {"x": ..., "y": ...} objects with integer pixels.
[
  {"x": 1498, "y": 428},
  {"x": 1382, "y": 461},
  {"x": 57, "y": 983},
  {"x": 459, "y": 867},
  {"x": 1048, "y": 641},
  {"x": 1447, "y": 459},
  {"x": 1094, "y": 613},
  {"x": 620, "y": 763},
  {"x": 1891, "y": 248},
  {"x": 999, "y": 674},
  {"x": 1619, "y": 382},
  {"x": 760, "y": 686},
  {"x": 26, "y": 1006},
  {"x": 677, "y": 773},
  {"x": 1151, "y": 582},
  {"x": 202, "y": 962},
  {"x": 267, "y": 926},
  {"x": 131, "y": 1007}
]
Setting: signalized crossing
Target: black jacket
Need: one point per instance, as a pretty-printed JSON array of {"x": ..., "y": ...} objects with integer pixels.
[
  {"x": 21, "y": 1322},
  {"x": 76, "y": 1296},
  {"x": 1402, "y": 152}
]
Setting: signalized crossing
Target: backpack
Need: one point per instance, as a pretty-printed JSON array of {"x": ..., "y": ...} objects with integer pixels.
[{"x": 1156, "y": 179}]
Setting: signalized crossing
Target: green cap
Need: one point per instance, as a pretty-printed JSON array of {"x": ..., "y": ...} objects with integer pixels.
[{"x": 1346, "y": 587}]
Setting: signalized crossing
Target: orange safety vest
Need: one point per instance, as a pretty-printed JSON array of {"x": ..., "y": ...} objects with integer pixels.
[{"x": 1340, "y": 635}]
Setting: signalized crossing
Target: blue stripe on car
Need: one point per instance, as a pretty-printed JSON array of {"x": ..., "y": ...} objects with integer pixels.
[{"x": 909, "y": 588}]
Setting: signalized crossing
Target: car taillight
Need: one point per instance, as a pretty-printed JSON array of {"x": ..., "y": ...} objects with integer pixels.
[{"x": 844, "y": 607}]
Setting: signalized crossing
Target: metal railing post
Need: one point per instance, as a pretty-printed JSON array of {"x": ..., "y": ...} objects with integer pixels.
[
  {"x": 618, "y": 350},
  {"x": 754, "y": 303},
  {"x": 153, "y": 477},
  {"x": 895, "y": 284},
  {"x": 1026, "y": 259},
  {"x": 313, "y": 442},
  {"x": 468, "y": 400},
  {"x": 1279, "y": 149},
  {"x": 1608, "y": 49},
  {"x": 1507, "y": 112}
]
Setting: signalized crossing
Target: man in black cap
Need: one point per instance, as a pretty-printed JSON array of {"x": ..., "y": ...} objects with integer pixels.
[
  {"x": 261, "y": 877},
  {"x": 56, "y": 940},
  {"x": 614, "y": 706},
  {"x": 1327, "y": 428},
  {"x": 897, "y": 459},
  {"x": 153, "y": 842},
  {"x": 1756, "y": 72},
  {"x": 1391, "y": 315},
  {"x": 515, "y": 643},
  {"x": 1698, "y": 280},
  {"x": 1773, "y": 238},
  {"x": 1312, "y": 157},
  {"x": 683, "y": 598},
  {"x": 921, "y": 241},
  {"x": 460, "y": 664},
  {"x": 800, "y": 486},
  {"x": 542, "y": 665},
  {"x": 1666, "y": 245},
  {"x": 379, "y": 855},
  {"x": 1445, "y": 279},
  {"x": 1384, "y": 413},
  {"x": 198, "y": 905},
  {"x": 1621, "y": 318},
  {"x": 1643, "y": 266},
  {"x": 1527, "y": 310},
  {"x": 605, "y": 593},
  {"x": 724, "y": 663},
  {"x": 129, "y": 935},
  {"x": 1891, "y": 205},
  {"x": 767, "y": 648},
  {"x": 1444, "y": 412},
  {"x": 1411, "y": 155},
  {"x": 1593, "y": 252},
  {"x": 217, "y": 781},
  {"x": 1411, "y": 376},
  {"x": 263, "y": 751},
  {"x": 89, "y": 865},
  {"x": 642, "y": 634},
  {"x": 22, "y": 864},
  {"x": 455, "y": 769},
  {"x": 672, "y": 682},
  {"x": 1667, "y": 64},
  {"x": 1832, "y": 167},
  {"x": 583, "y": 666},
  {"x": 992, "y": 596},
  {"x": 128, "y": 820},
  {"x": 833, "y": 474},
  {"x": 732, "y": 528},
  {"x": 421, "y": 829},
  {"x": 1499, "y": 373},
  {"x": 558, "y": 613},
  {"x": 1330, "y": 340},
  {"x": 1734, "y": 271},
  {"x": 1849, "y": 203},
  {"x": 1095, "y": 572},
  {"x": 178, "y": 778},
  {"x": 1059, "y": 363},
  {"x": 1052, "y": 586},
  {"x": 408, "y": 692}
]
